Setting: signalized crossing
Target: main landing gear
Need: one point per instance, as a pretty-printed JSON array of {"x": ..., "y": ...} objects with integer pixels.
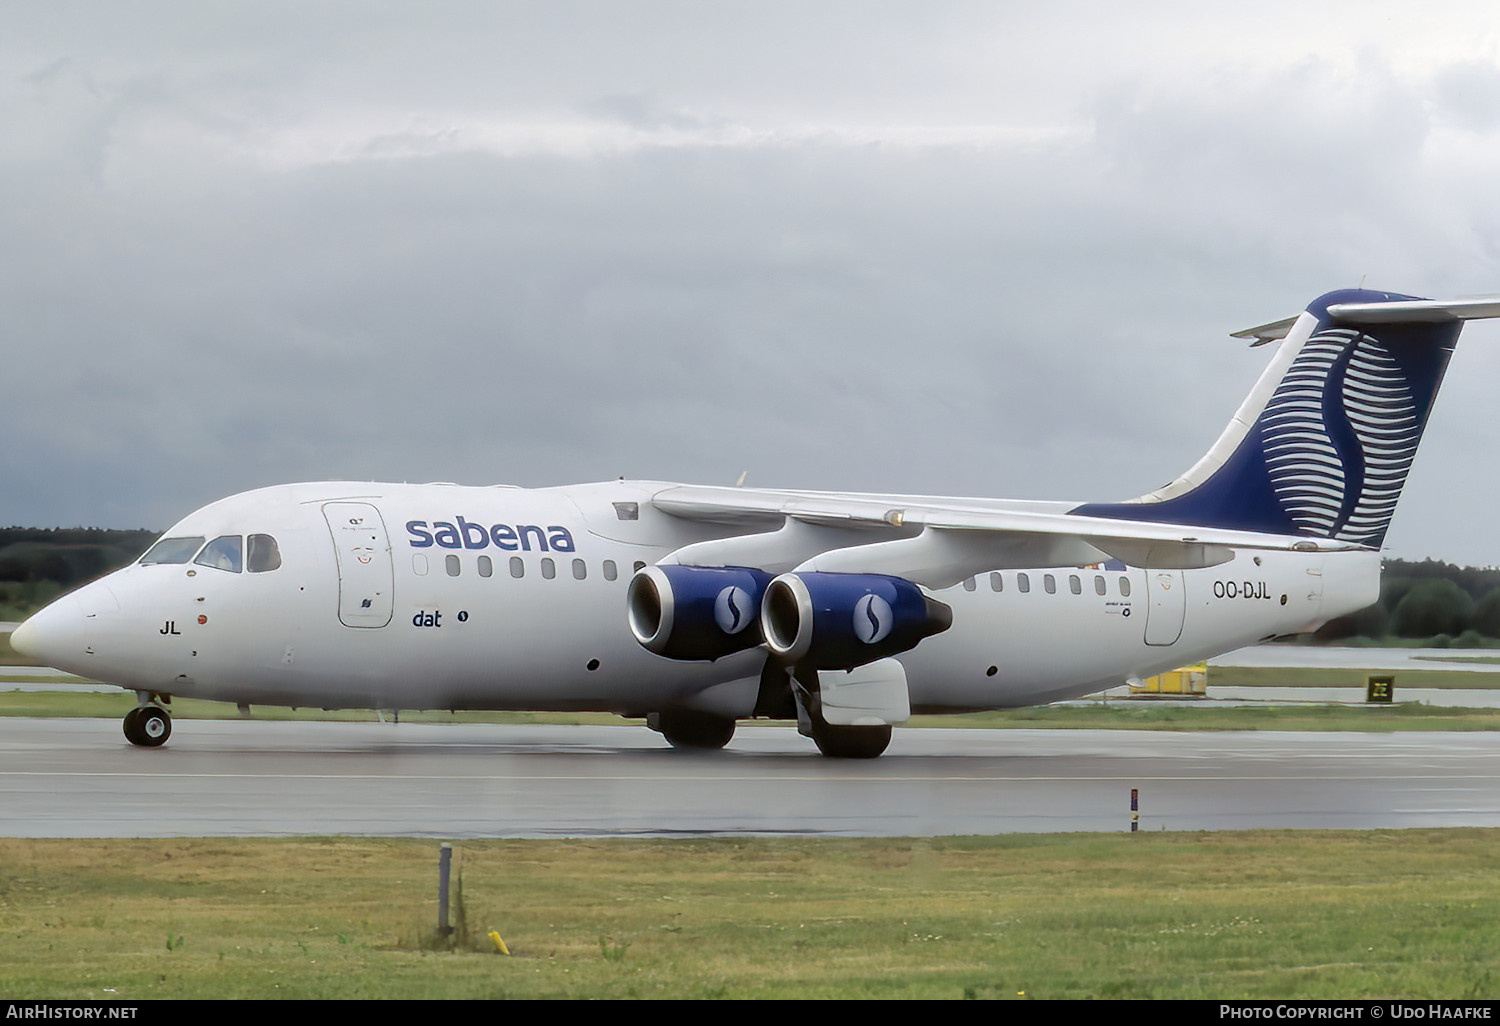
[
  {"x": 836, "y": 740},
  {"x": 685, "y": 728},
  {"x": 839, "y": 742},
  {"x": 147, "y": 726},
  {"x": 691, "y": 730}
]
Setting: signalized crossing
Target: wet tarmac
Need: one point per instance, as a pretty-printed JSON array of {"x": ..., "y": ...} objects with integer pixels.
[{"x": 79, "y": 778}]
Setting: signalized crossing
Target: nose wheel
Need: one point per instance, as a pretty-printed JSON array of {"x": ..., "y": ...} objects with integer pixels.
[{"x": 147, "y": 726}]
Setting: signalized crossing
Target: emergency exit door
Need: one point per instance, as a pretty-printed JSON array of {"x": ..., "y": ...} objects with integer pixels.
[{"x": 1166, "y": 606}]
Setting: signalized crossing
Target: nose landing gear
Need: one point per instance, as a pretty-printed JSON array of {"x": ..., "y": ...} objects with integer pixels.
[{"x": 147, "y": 726}]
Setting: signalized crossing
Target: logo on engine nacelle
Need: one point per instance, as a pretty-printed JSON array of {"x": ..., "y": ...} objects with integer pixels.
[
  {"x": 733, "y": 610},
  {"x": 873, "y": 619}
]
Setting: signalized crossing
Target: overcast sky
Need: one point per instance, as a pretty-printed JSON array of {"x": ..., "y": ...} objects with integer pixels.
[{"x": 957, "y": 248}]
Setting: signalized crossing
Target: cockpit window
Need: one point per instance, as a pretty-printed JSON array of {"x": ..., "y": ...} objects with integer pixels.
[
  {"x": 264, "y": 554},
  {"x": 172, "y": 550},
  {"x": 222, "y": 553}
]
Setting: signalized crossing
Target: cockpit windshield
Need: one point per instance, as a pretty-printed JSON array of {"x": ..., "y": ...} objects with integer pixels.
[
  {"x": 172, "y": 550},
  {"x": 264, "y": 554},
  {"x": 222, "y": 554},
  {"x": 257, "y": 553}
]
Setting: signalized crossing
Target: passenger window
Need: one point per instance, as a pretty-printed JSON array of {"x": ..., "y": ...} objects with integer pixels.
[
  {"x": 1125, "y": 587},
  {"x": 549, "y": 568},
  {"x": 639, "y": 566},
  {"x": 580, "y": 570},
  {"x": 222, "y": 554},
  {"x": 262, "y": 554},
  {"x": 486, "y": 567},
  {"x": 517, "y": 567},
  {"x": 451, "y": 561},
  {"x": 172, "y": 550},
  {"x": 970, "y": 584},
  {"x": 1075, "y": 585},
  {"x": 610, "y": 571},
  {"x": 997, "y": 582},
  {"x": 1023, "y": 583},
  {"x": 1099, "y": 586},
  {"x": 419, "y": 564},
  {"x": 1050, "y": 583}
]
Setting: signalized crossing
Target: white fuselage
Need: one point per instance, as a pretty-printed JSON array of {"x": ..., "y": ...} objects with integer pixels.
[{"x": 440, "y": 596}]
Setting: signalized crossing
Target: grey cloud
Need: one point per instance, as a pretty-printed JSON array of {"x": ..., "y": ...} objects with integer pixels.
[
  {"x": 789, "y": 270},
  {"x": 1468, "y": 93}
]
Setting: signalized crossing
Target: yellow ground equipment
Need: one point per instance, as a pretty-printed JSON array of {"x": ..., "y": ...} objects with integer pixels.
[{"x": 1190, "y": 680}]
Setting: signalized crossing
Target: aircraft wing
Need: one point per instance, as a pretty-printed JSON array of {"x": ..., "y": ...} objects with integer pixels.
[{"x": 940, "y": 542}]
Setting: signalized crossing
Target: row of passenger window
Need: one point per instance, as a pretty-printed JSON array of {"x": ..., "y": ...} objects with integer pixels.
[
  {"x": 1022, "y": 584},
  {"x": 485, "y": 566}
]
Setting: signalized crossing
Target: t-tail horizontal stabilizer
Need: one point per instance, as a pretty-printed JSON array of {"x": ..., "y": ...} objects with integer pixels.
[
  {"x": 1322, "y": 445},
  {"x": 1397, "y": 311}
]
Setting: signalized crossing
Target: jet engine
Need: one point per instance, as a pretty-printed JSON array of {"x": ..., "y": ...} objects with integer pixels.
[
  {"x": 696, "y": 612},
  {"x": 838, "y": 621}
]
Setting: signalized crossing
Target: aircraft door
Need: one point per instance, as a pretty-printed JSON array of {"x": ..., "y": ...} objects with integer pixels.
[
  {"x": 366, "y": 575},
  {"x": 1165, "y": 607}
]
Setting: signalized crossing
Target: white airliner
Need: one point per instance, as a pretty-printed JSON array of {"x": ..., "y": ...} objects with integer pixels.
[{"x": 696, "y": 607}]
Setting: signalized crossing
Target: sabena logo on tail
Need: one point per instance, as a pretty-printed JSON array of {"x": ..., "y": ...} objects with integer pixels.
[
  {"x": 1339, "y": 435},
  {"x": 1323, "y": 444}
]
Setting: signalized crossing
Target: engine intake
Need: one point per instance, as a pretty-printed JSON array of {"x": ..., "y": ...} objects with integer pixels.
[
  {"x": 840, "y": 621},
  {"x": 695, "y": 612}
]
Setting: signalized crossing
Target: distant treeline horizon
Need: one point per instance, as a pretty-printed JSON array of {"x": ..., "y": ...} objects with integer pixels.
[
  {"x": 37, "y": 564},
  {"x": 1430, "y": 600},
  {"x": 1440, "y": 603}
]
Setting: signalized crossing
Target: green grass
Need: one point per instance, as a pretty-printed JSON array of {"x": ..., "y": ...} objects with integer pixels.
[
  {"x": 1480, "y": 676},
  {"x": 114, "y": 705},
  {"x": 1307, "y": 915}
]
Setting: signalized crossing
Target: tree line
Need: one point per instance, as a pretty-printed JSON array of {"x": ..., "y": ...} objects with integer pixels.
[
  {"x": 38, "y": 564},
  {"x": 1437, "y": 602}
]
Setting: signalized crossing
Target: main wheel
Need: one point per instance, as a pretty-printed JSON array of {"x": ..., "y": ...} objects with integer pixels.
[
  {"x": 147, "y": 726},
  {"x": 686, "y": 729},
  {"x": 851, "y": 742}
]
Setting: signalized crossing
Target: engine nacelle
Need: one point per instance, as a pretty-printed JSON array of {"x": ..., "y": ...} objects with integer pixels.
[
  {"x": 696, "y": 612},
  {"x": 840, "y": 621}
]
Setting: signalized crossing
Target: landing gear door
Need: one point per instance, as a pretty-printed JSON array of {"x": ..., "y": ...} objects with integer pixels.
[
  {"x": 1165, "y": 606},
  {"x": 366, "y": 576}
]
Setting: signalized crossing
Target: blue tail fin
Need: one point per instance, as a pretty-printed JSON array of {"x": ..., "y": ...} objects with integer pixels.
[{"x": 1322, "y": 444}]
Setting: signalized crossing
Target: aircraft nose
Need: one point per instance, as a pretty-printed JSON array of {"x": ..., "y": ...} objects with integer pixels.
[
  {"x": 24, "y": 639},
  {"x": 49, "y": 635},
  {"x": 55, "y": 635}
]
